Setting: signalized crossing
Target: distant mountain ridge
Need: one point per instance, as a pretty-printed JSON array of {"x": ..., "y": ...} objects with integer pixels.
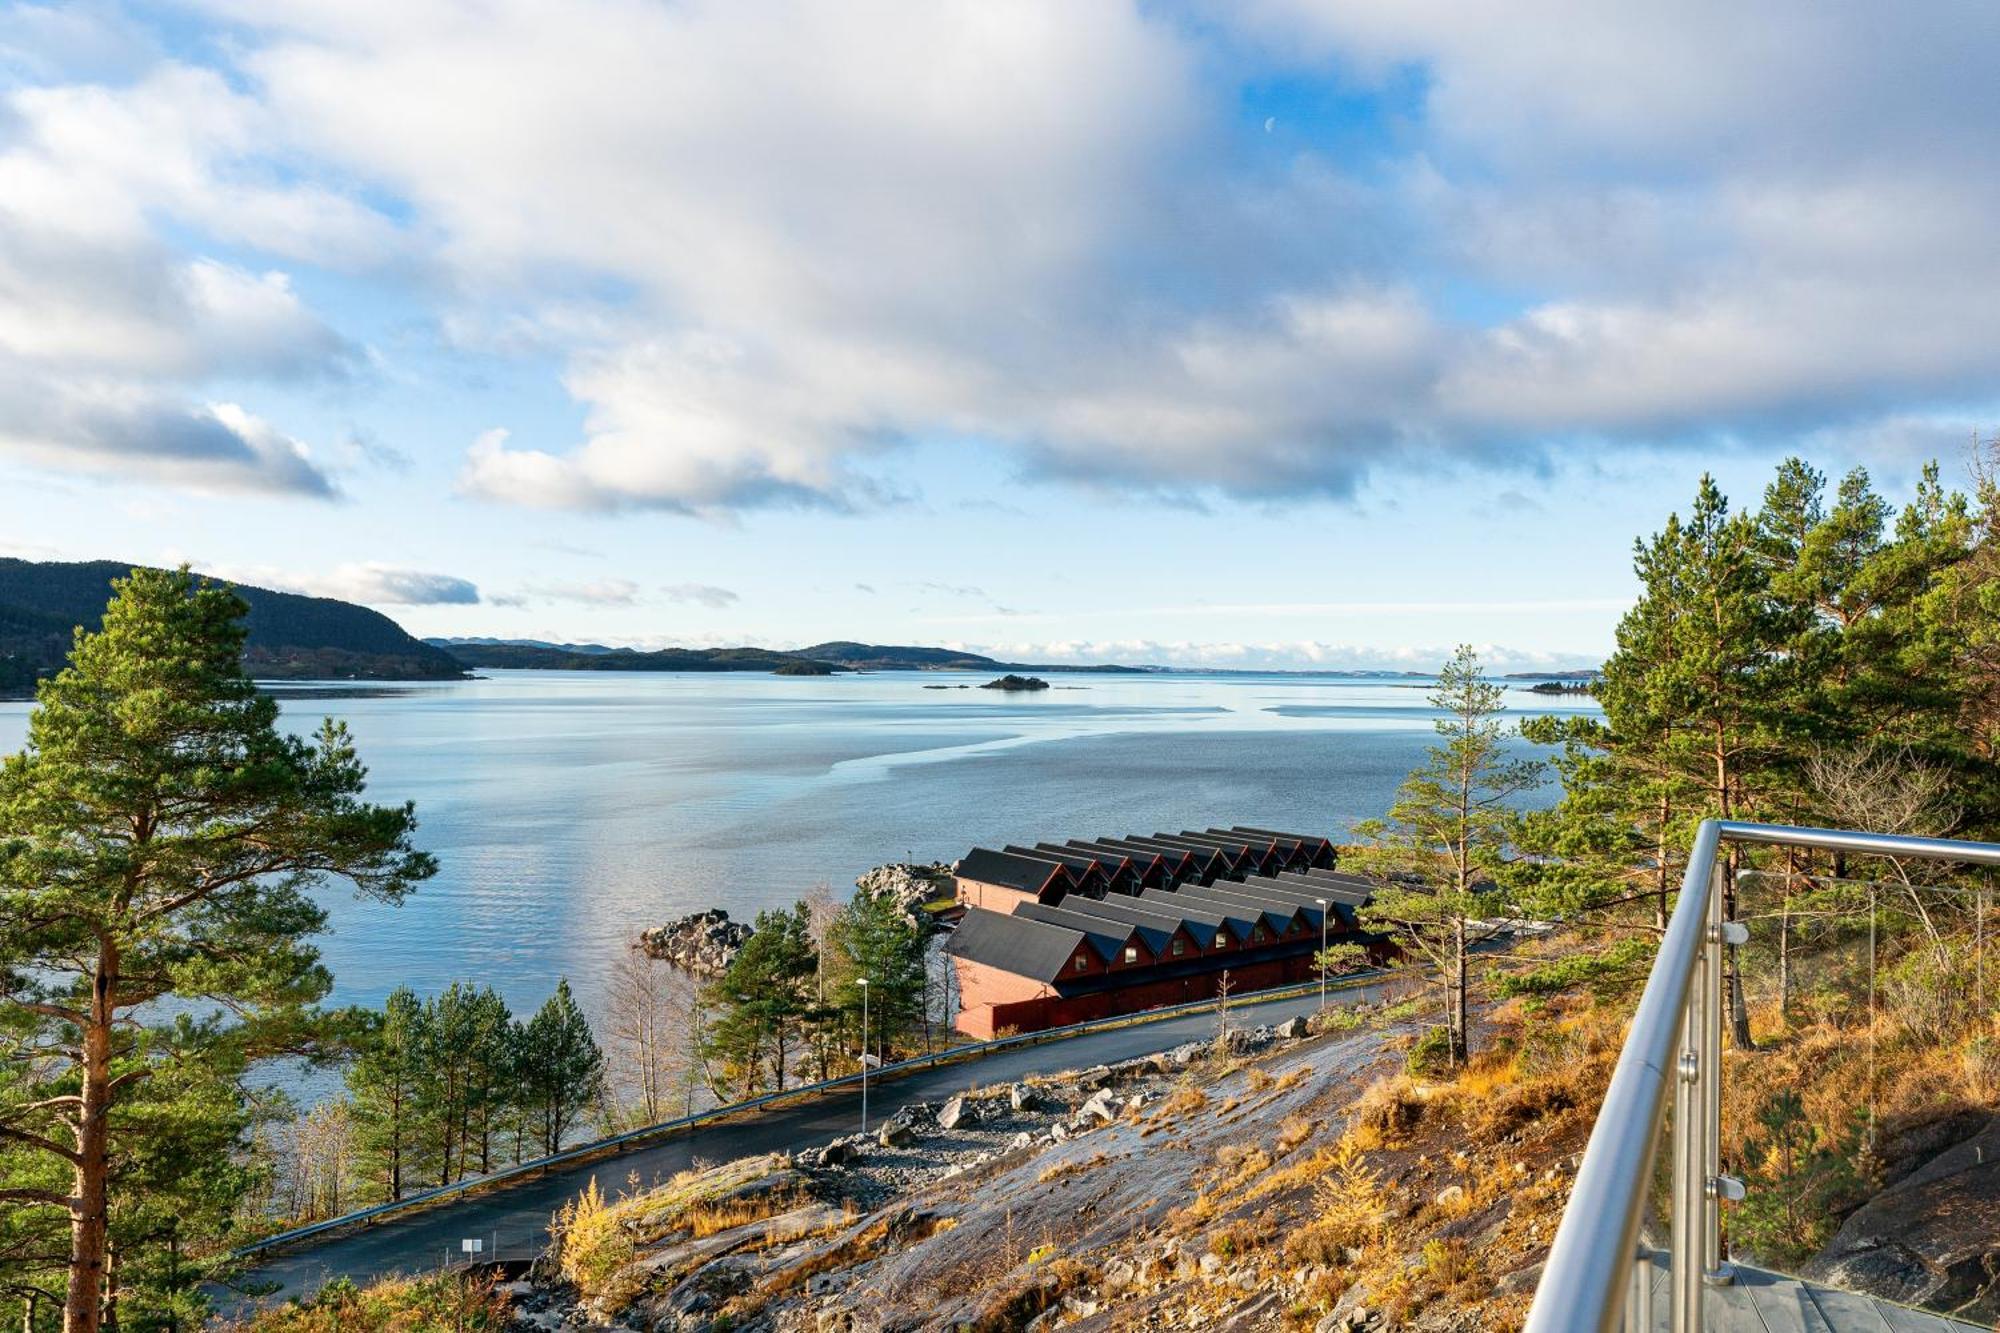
[
  {"x": 840, "y": 655},
  {"x": 291, "y": 636},
  {"x": 534, "y": 655}
]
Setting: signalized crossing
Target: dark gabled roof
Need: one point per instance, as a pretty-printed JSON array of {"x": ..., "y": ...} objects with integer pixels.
[
  {"x": 1113, "y": 865},
  {"x": 1332, "y": 882},
  {"x": 1104, "y": 936},
  {"x": 1235, "y": 918},
  {"x": 1235, "y": 860},
  {"x": 1079, "y": 870},
  {"x": 1207, "y": 860},
  {"x": 1277, "y": 852},
  {"x": 1280, "y": 916},
  {"x": 1014, "y": 872},
  {"x": 1284, "y": 900},
  {"x": 1014, "y": 943},
  {"x": 1317, "y": 845},
  {"x": 1178, "y": 860},
  {"x": 1140, "y": 857},
  {"x": 1125, "y": 908},
  {"x": 1248, "y": 852},
  {"x": 1249, "y": 913}
]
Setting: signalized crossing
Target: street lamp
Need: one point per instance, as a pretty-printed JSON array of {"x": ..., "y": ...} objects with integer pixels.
[
  {"x": 864, "y": 1055},
  {"x": 1322, "y": 953}
]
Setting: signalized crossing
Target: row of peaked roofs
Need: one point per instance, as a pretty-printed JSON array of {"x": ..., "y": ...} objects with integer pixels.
[
  {"x": 1051, "y": 871},
  {"x": 1185, "y": 919}
]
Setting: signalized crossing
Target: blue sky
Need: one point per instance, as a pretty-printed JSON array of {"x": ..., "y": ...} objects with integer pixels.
[{"x": 1269, "y": 333}]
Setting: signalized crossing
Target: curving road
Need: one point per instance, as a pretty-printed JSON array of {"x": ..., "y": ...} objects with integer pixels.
[{"x": 513, "y": 1220}]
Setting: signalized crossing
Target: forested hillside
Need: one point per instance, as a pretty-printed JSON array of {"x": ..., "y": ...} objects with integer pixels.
[
  {"x": 291, "y": 637},
  {"x": 590, "y": 658}
]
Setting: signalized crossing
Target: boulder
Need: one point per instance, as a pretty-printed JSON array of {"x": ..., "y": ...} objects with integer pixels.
[
  {"x": 1023, "y": 1098},
  {"x": 1292, "y": 1028},
  {"x": 957, "y": 1112},
  {"x": 1932, "y": 1238},
  {"x": 1102, "y": 1105},
  {"x": 896, "y": 1133},
  {"x": 705, "y": 943},
  {"x": 908, "y": 885}
]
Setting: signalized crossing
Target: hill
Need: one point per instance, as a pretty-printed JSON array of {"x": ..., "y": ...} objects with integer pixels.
[
  {"x": 291, "y": 637},
  {"x": 885, "y": 657},
  {"x": 563, "y": 657},
  {"x": 892, "y": 657}
]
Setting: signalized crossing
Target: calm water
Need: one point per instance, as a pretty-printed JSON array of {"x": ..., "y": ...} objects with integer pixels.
[{"x": 569, "y": 810}]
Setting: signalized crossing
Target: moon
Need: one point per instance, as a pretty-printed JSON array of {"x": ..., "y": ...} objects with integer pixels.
[{"x": 1270, "y": 123}]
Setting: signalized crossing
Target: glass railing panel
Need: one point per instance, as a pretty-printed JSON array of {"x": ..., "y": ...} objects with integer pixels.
[{"x": 1869, "y": 1000}]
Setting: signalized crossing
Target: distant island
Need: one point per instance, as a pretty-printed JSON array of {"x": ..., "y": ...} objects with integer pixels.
[
  {"x": 1564, "y": 687},
  {"x": 292, "y": 637},
  {"x": 1014, "y": 682}
]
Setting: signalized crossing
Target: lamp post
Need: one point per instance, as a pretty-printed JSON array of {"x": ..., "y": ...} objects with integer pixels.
[
  {"x": 1322, "y": 953},
  {"x": 864, "y": 1055}
]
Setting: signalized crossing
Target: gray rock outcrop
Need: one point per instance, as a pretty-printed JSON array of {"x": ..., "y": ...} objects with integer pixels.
[
  {"x": 705, "y": 943},
  {"x": 1932, "y": 1238}
]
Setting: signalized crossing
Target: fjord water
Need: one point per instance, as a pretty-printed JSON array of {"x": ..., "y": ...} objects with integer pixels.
[{"x": 568, "y": 810}]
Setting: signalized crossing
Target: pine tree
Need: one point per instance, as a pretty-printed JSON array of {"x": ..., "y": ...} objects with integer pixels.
[
  {"x": 383, "y": 1080},
  {"x": 872, "y": 937},
  {"x": 159, "y": 837},
  {"x": 763, "y": 1001},
  {"x": 562, "y": 1070},
  {"x": 1450, "y": 830}
]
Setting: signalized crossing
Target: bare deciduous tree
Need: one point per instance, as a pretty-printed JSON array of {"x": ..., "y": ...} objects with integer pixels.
[{"x": 655, "y": 1019}]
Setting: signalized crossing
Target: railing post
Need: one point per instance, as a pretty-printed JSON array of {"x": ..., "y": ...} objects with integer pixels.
[
  {"x": 1690, "y": 1157},
  {"x": 1639, "y": 1298},
  {"x": 1714, "y": 1270}
]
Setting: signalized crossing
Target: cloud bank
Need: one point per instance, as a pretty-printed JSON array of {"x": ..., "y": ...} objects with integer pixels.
[{"x": 768, "y": 245}]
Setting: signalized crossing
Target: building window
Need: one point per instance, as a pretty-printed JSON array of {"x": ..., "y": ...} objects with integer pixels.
[
  {"x": 1082, "y": 963},
  {"x": 1257, "y": 935},
  {"x": 1180, "y": 947},
  {"x": 1131, "y": 954}
]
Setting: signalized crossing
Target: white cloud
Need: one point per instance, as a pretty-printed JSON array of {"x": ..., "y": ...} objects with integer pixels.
[
  {"x": 106, "y": 331},
  {"x": 368, "y": 582},
  {"x": 383, "y": 585},
  {"x": 594, "y": 592},
  {"x": 702, "y": 594}
]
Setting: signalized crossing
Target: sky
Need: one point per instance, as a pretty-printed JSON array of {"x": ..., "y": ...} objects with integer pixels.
[{"x": 1278, "y": 333}]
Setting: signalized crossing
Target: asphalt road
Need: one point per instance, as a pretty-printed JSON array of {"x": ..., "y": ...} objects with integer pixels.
[{"x": 513, "y": 1220}]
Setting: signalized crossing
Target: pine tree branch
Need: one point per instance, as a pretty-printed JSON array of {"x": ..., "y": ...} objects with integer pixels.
[
  {"x": 48, "y": 1198},
  {"x": 47, "y": 1145}
]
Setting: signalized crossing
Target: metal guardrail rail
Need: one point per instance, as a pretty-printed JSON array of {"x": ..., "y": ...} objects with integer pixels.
[
  {"x": 1596, "y": 1277},
  {"x": 969, "y": 1051}
]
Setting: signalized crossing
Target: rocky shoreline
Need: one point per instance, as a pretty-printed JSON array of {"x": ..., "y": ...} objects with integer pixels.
[{"x": 706, "y": 943}]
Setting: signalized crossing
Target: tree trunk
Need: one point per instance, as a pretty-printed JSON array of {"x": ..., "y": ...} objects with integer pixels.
[
  {"x": 90, "y": 1218},
  {"x": 1461, "y": 1046}
]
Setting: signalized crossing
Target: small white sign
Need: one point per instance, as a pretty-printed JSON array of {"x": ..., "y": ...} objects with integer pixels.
[{"x": 472, "y": 1245}]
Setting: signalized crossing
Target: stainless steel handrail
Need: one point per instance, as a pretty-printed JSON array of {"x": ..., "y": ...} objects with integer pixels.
[{"x": 1675, "y": 1042}]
